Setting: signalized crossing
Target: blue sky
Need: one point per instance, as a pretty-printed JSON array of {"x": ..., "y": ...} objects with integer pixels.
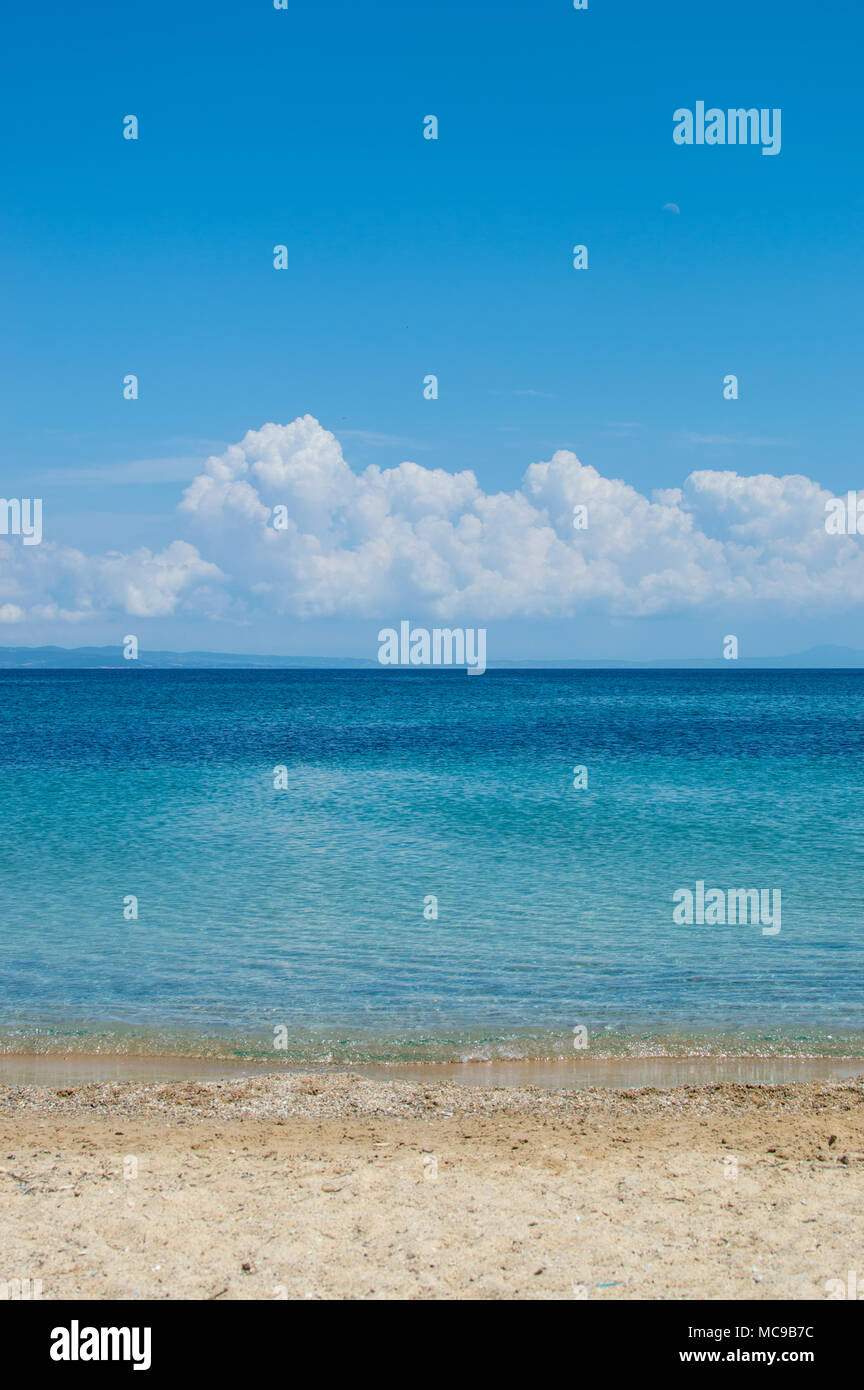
[{"x": 409, "y": 257}]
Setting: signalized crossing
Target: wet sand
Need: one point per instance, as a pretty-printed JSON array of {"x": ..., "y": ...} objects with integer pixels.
[
  {"x": 341, "y": 1186},
  {"x": 50, "y": 1069}
]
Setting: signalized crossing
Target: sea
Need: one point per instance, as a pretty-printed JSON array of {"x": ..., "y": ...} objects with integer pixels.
[{"x": 354, "y": 866}]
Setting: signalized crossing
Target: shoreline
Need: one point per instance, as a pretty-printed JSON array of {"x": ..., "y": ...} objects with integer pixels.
[{"x": 616, "y": 1073}]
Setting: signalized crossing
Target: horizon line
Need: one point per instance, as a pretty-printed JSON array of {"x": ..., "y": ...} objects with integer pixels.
[{"x": 823, "y": 657}]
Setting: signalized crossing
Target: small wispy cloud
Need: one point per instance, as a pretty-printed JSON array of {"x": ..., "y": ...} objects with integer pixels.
[
  {"x": 621, "y": 429},
  {"x": 384, "y": 441},
  {"x": 159, "y": 470},
  {"x": 525, "y": 391},
  {"x": 750, "y": 441}
]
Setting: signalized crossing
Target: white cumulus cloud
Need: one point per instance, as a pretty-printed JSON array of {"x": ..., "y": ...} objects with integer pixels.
[
  {"x": 423, "y": 540},
  {"x": 52, "y": 582},
  {"x": 360, "y": 543}
]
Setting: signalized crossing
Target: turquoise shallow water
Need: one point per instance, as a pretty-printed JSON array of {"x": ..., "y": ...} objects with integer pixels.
[{"x": 302, "y": 908}]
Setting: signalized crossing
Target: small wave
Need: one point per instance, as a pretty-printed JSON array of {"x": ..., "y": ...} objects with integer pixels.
[{"x": 347, "y": 1047}]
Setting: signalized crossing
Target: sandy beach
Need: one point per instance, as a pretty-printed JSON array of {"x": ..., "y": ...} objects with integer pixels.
[{"x": 341, "y": 1186}]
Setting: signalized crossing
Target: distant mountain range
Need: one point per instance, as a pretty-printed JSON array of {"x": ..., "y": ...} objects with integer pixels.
[{"x": 106, "y": 658}]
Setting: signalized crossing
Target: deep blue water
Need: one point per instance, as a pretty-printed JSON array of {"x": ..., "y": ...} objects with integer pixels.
[{"x": 303, "y": 906}]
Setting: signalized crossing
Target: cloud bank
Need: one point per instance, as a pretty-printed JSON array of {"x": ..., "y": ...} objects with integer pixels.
[
  {"x": 49, "y": 583},
  {"x": 421, "y": 540}
]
